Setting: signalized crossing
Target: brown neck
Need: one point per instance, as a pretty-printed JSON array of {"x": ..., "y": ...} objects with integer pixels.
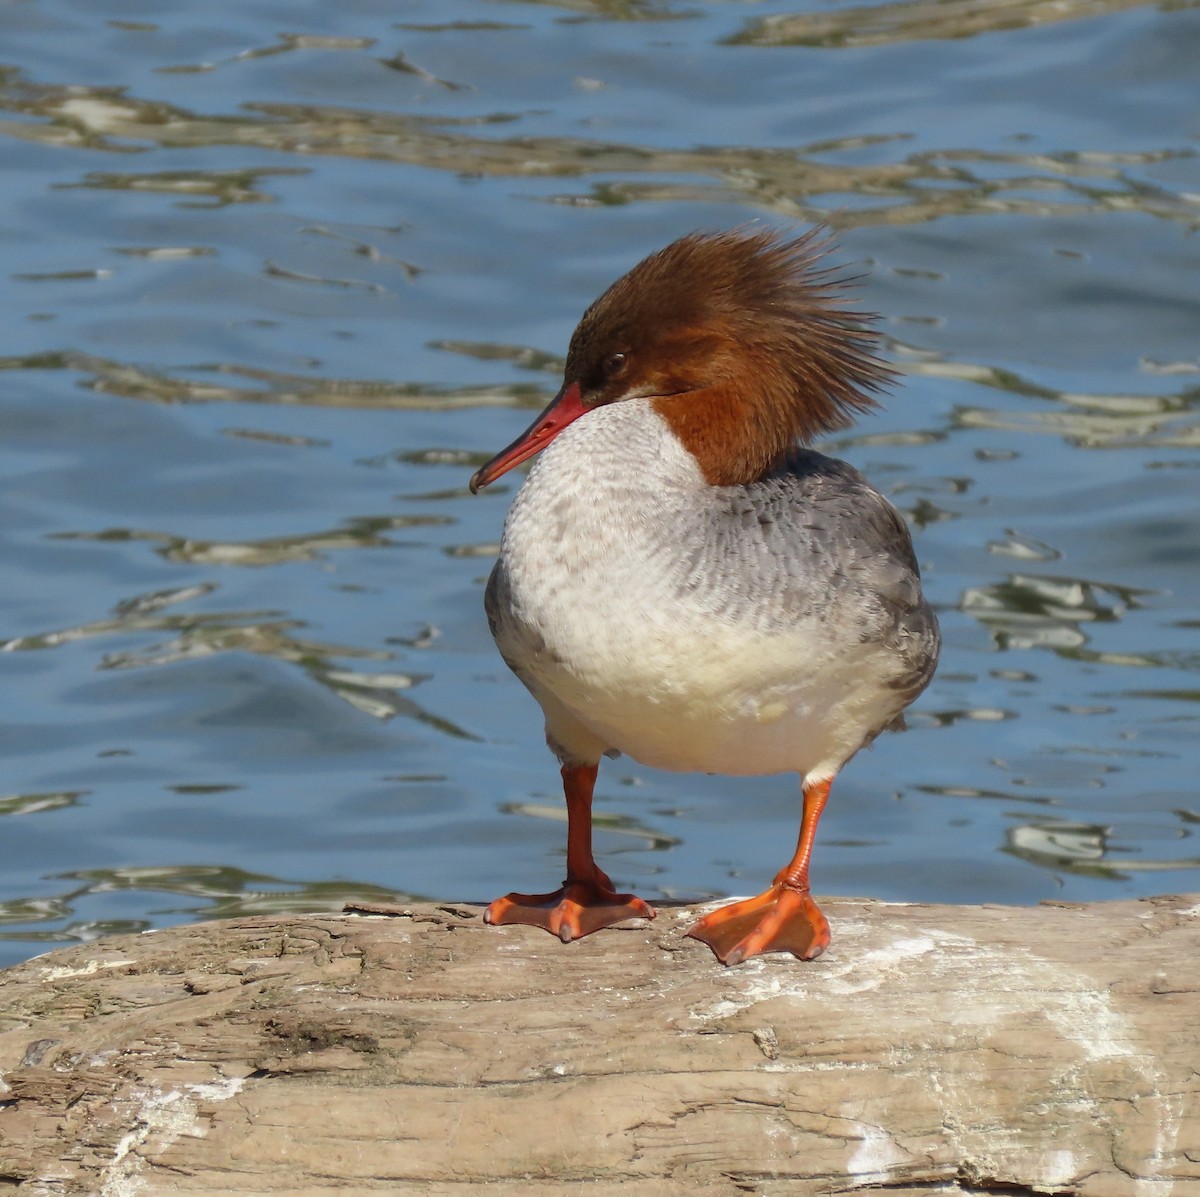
[{"x": 736, "y": 437}]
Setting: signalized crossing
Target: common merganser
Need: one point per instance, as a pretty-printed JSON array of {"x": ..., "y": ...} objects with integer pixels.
[{"x": 681, "y": 581}]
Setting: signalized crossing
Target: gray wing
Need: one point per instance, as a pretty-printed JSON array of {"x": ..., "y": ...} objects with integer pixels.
[{"x": 814, "y": 540}]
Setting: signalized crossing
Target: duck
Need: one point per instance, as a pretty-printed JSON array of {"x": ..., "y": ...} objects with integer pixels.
[{"x": 684, "y": 580}]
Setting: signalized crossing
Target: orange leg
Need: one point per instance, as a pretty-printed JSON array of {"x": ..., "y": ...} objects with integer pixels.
[
  {"x": 586, "y": 902},
  {"x": 784, "y": 918}
]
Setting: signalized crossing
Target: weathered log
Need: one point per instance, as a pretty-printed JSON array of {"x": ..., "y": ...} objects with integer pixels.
[{"x": 1051, "y": 1049}]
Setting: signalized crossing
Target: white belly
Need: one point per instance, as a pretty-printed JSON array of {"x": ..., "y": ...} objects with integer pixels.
[{"x": 721, "y": 705}]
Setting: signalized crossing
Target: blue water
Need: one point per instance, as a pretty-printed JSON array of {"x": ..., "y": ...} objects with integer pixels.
[{"x": 276, "y": 281}]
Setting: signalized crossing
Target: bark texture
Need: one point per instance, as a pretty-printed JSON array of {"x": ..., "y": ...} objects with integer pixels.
[{"x": 932, "y": 1049}]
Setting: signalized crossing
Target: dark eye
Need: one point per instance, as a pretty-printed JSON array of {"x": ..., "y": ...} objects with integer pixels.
[{"x": 614, "y": 365}]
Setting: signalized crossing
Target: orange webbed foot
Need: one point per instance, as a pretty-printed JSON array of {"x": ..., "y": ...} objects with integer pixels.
[
  {"x": 575, "y": 910},
  {"x": 781, "y": 920}
]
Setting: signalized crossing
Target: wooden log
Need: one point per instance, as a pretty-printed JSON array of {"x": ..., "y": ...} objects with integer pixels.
[{"x": 955, "y": 1050}]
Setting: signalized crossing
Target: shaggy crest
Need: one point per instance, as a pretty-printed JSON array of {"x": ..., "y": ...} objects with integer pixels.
[{"x": 744, "y": 341}]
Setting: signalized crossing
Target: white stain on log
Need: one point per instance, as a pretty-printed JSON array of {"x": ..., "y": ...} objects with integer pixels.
[
  {"x": 159, "y": 1120},
  {"x": 59, "y": 973},
  {"x": 872, "y": 1161},
  {"x": 1002, "y": 990}
]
